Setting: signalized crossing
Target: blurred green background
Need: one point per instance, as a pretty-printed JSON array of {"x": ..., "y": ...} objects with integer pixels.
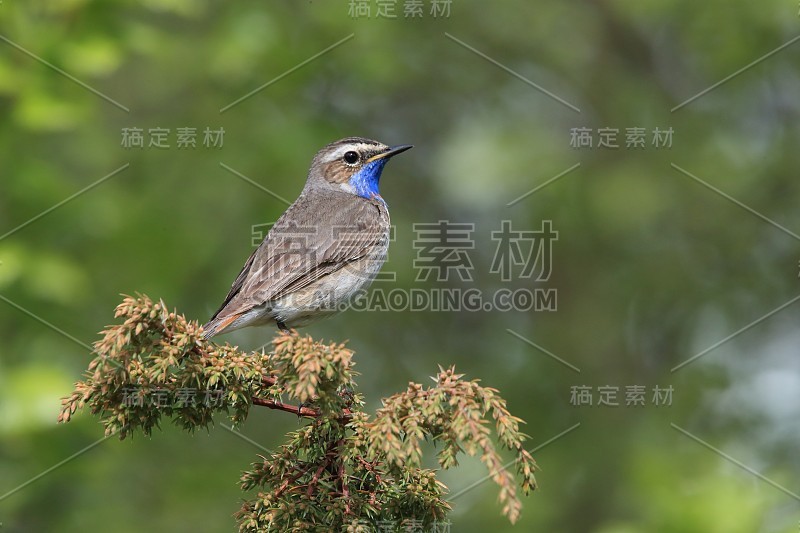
[{"x": 651, "y": 267}]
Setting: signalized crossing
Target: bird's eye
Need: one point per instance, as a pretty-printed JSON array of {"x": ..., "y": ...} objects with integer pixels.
[{"x": 351, "y": 158}]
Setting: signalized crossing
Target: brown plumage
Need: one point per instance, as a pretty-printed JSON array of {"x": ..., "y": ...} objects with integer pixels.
[{"x": 327, "y": 245}]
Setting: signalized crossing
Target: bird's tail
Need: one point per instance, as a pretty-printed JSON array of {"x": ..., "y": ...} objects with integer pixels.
[
  {"x": 218, "y": 325},
  {"x": 209, "y": 330}
]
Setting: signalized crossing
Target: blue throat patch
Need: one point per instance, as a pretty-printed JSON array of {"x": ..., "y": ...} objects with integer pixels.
[{"x": 366, "y": 181}]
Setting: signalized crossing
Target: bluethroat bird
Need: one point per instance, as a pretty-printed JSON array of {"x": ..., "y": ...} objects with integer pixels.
[{"x": 329, "y": 244}]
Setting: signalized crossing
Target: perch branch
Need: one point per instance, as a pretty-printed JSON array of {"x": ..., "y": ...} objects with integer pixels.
[
  {"x": 289, "y": 408},
  {"x": 307, "y": 412}
]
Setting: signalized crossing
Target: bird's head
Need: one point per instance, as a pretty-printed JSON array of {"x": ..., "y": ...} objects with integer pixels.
[{"x": 352, "y": 165}]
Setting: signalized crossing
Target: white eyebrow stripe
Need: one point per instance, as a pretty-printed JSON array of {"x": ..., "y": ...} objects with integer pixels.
[{"x": 357, "y": 147}]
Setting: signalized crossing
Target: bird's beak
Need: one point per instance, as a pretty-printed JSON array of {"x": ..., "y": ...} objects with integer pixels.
[{"x": 391, "y": 152}]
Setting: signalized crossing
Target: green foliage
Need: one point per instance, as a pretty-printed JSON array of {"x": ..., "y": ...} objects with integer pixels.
[
  {"x": 455, "y": 413},
  {"x": 155, "y": 351},
  {"x": 343, "y": 468}
]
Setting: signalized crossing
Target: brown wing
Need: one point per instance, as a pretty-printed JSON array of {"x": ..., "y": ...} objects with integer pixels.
[
  {"x": 237, "y": 284},
  {"x": 320, "y": 233}
]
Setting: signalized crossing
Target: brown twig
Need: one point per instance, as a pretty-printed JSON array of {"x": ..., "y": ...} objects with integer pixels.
[
  {"x": 315, "y": 478},
  {"x": 370, "y": 468},
  {"x": 291, "y": 480},
  {"x": 271, "y": 381},
  {"x": 289, "y": 408},
  {"x": 345, "y": 489},
  {"x": 340, "y": 473}
]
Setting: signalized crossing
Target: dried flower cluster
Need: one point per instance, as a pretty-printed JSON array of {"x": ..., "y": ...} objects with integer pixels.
[{"x": 344, "y": 469}]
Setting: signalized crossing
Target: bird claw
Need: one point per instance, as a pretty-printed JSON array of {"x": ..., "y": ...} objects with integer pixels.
[{"x": 300, "y": 409}]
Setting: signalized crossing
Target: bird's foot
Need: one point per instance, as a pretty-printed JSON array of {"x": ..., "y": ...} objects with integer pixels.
[{"x": 300, "y": 409}]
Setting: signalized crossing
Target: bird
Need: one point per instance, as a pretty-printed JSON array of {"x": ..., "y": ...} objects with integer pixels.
[{"x": 327, "y": 246}]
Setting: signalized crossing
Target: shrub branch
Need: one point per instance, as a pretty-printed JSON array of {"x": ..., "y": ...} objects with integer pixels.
[{"x": 343, "y": 468}]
